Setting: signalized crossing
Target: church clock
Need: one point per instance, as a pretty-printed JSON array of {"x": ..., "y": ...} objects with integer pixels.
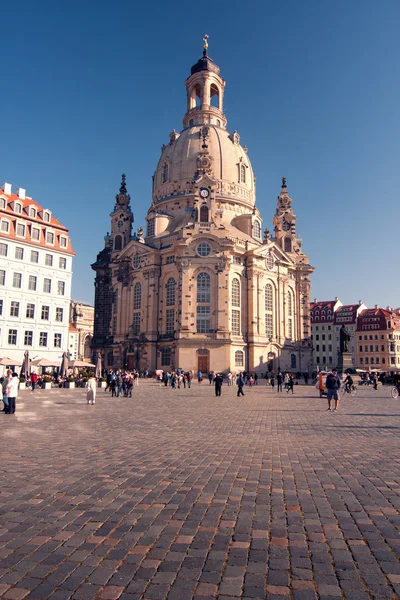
[{"x": 286, "y": 225}]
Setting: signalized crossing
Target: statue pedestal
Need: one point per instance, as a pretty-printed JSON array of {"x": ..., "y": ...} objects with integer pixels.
[{"x": 345, "y": 361}]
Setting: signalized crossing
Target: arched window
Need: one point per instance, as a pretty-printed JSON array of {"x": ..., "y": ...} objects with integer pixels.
[
  {"x": 165, "y": 173},
  {"x": 242, "y": 174},
  {"x": 204, "y": 213},
  {"x": 288, "y": 245},
  {"x": 191, "y": 123},
  {"x": 137, "y": 295},
  {"x": 269, "y": 308},
  {"x": 171, "y": 285},
  {"x": 118, "y": 242},
  {"x": 239, "y": 358},
  {"x": 203, "y": 297},
  {"x": 257, "y": 229},
  {"x": 236, "y": 303},
  {"x": 214, "y": 96},
  {"x": 151, "y": 227},
  {"x": 203, "y": 287},
  {"x": 236, "y": 293},
  {"x": 290, "y": 314},
  {"x": 292, "y": 361}
]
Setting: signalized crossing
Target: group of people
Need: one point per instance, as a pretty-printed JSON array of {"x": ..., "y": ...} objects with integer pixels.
[{"x": 121, "y": 383}]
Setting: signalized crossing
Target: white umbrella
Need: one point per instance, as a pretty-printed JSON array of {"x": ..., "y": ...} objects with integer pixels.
[
  {"x": 43, "y": 362},
  {"x": 6, "y": 362},
  {"x": 80, "y": 363}
]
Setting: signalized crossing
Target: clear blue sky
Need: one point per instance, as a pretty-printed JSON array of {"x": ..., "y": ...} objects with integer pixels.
[{"x": 92, "y": 89}]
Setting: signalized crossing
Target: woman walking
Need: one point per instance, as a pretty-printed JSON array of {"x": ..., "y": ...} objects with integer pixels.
[{"x": 91, "y": 389}]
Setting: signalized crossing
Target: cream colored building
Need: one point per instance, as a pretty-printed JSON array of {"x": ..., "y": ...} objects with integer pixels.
[
  {"x": 81, "y": 316},
  {"x": 203, "y": 288}
]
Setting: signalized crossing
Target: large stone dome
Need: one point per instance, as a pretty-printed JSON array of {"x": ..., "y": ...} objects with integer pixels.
[{"x": 229, "y": 163}]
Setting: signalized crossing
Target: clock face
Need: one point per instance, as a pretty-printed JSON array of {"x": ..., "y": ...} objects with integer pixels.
[
  {"x": 204, "y": 193},
  {"x": 286, "y": 225}
]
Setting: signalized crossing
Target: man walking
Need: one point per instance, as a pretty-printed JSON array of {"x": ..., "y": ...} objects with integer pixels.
[
  {"x": 279, "y": 381},
  {"x": 218, "y": 383},
  {"x": 240, "y": 384},
  {"x": 333, "y": 387}
]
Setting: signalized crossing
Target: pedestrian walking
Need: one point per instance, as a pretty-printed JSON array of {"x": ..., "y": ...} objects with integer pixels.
[
  {"x": 199, "y": 377},
  {"x": 240, "y": 384},
  {"x": 5, "y": 383},
  {"x": 34, "y": 379},
  {"x": 218, "y": 383},
  {"x": 272, "y": 380},
  {"x": 91, "y": 385},
  {"x": 279, "y": 381},
  {"x": 290, "y": 383},
  {"x": 12, "y": 393}
]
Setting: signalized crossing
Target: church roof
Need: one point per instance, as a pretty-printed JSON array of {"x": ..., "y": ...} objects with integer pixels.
[{"x": 205, "y": 63}]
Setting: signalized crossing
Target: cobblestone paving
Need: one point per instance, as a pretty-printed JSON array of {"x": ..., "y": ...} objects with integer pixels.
[{"x": 179, "y": 495}]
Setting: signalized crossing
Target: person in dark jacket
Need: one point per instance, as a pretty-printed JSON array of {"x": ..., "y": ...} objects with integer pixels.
[
  {"x": 290, "y": 384},
  {"x": 240, "y": 384},
  {"x": 218, "y": 383},
  {"x": 279, "y": 381},
  {"x": 333, "y": 387}
]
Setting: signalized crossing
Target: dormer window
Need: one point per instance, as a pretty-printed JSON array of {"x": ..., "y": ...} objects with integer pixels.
[
  {"x": 257, "y": 229},
  {"x": 20, "y": 229},
  {"x": 5, "y": 226},
  {"x": 242, "y": 174},
  {"x": 46, "y": 217},
  {"x": 49, "y": 237},
  {"x": 18, "y": 208},
  {"x": 33, "y": 212},
  {"x": 35, "y": 234},
  {"x": 165, "y": 173},
  {"x": 63, "y": 241},
  {"x": 3, "y": 203}
]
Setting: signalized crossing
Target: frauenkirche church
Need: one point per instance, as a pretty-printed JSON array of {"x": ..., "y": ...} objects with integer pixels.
[{"x": 204, "y": 287}]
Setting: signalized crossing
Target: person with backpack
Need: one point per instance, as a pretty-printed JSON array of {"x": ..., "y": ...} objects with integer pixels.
[
  {"x": 333, "y": 387},
  {"x": 240, "y": 384}
]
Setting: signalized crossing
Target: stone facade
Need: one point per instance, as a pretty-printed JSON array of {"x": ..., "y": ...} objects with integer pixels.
[
  {"x": 81, "y": 316},
  {"x": 204, "y": 288}
]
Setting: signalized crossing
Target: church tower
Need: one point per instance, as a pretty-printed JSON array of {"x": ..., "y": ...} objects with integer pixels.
[{"x": 201, "y": 288}]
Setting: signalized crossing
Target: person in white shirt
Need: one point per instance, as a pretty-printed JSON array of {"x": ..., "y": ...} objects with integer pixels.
[
  {"x": 91, "y": 389},
  {"x": 12, "y": 393}
]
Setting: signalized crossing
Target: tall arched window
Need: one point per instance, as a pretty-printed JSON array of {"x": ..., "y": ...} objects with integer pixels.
[
  {"x": 137, "y": 295},
  {"x": 269, "y": 309},
  {"x": 214, "y": 96},
  {"x": 236, "y": 305},
  {"x": 171, "y": 286},
  {"x": 292, "y": 361},
  {"x": 242, "y": 174},
  {"x": 257, "y": 229},
  {"x": 165, "y": 173},
  {"x": 118, "y": 242},
  {"x": 204, "y": 213},
  {"x": 288, "y": 245},
  {"x": 290, "y": 314},
  {"x": 203, "y": 299}
]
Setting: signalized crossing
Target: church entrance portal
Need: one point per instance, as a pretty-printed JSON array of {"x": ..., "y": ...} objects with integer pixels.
[{"x": 203, "y": 361}]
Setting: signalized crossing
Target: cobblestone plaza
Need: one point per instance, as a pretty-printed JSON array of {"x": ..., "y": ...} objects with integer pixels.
[{"x": 178, "y": 494}]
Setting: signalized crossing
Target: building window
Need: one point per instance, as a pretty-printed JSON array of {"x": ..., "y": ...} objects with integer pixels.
[
  {"x": 46, "y": 217},
  {"x": 257, "y": 229},
  {"x": 28, "y": 338},
  {"x": 35, "y": 234},
  {"x": 2, "y": 277},
  {"x": 269, "y": 307},
  {"x": 118, "y": 242},
  {"x": 20, "y": 230},
  {"x": 151, "y": 227},
  {"x": 203, "y": 249},
  {"x": 1, "y": 308},
  {"x": 290, "y": 315},
  {"x": 136, "y": 323},
  {"x": 170, "y": 320},
  {"x": 3, "y": 203},
  {"x": 288, "y": 248},
  {"x": 57, "y": 340},
  {"x": 165, "y": 173},
  {"x": 61, "y": 288},
  {"x": 30, "y": 311},
  {"x": 203, "y": 287},
  {"x": 136, "y": 261},
  {"x": 62, "y": 263},
  {"x": 235, "y": 322},
  {"x": 33, "y": 212},
  {"x": 137, "y": 296},
  {"x": 43, "y": 338},
  {"x": 48, "y": 260},
  {"x": 236, "y": 293},
  {"x": 3, "y": 249},
  {"x": 5, "y": 226},
  {"x": 18, "y": 208},
  {"x": 239, "y": 358},
  {"x": 47, "y": 285},
  {"x": 17, "y": 280},
  {"x": 59, "y": 314},
  {"x": 34, "y": 256},
  {"x": 166, "y": 357},
  {"x": 14, "y": 309},
  {"x": 12, "y": 337},
  {"x": 292, "y": 361},
  {"x": 242, "y": 174},
  {"x": 237, "y": 260},
  {"x": 203, "y": 319},
  {"x": 45, "y": 313},
  {"x": 49, "y": 237},
  {"x": 32, "y": 284},
  {"x": 171, "y": 286},
  {"x": 203, "y": 213},
  {"x": 19, "y": 253},
  {"x": 170, "y": 260},
  {"x": 63, "y": 242}
]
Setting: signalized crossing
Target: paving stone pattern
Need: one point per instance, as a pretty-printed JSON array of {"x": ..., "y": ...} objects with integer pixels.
[{"x": 177, "y": 494}]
